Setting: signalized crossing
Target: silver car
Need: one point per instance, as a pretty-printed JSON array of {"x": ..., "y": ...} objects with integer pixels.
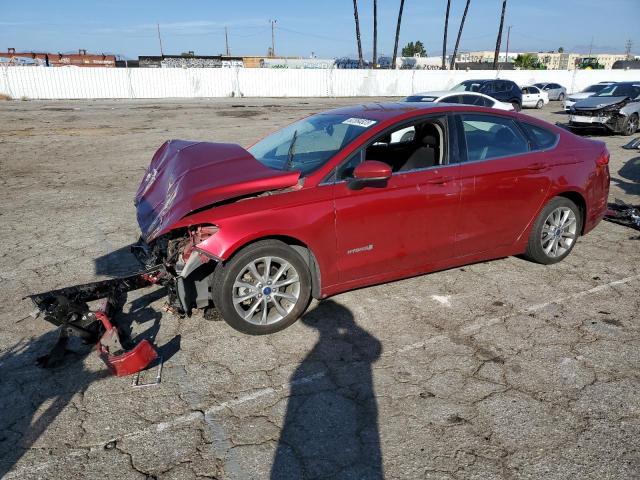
[
  {"x": 572, "y": 98},
  {"x": 554, "y": 90},
  {"x": 615, "y": 108}
]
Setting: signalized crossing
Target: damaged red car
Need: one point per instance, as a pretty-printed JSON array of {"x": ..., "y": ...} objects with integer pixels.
[{"x": 359, "y": 196}]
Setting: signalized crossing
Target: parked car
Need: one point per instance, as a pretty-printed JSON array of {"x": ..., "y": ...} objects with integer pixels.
[
  {"x": 467, "y": 98},
  {"x": 554, "y": 90},
  {"x": 502, "y": 90},
  {"x": 587, "y": 92},
  {"x": 615, "y": 108},
  {"x": 330, "y": 203},
  {"x": 533, "y": 97}
]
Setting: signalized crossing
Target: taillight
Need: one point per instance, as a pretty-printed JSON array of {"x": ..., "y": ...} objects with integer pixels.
[{"x": 603, "y": 159}]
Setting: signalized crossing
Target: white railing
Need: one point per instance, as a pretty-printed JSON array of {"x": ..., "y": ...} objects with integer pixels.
[{"x": 77, "y": 83}]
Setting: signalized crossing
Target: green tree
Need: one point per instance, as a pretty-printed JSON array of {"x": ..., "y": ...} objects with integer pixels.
[
  {"x": 412, "y": 49},
  {"x": 561, "y": 50},
  {"x": 526, "y": 61}
]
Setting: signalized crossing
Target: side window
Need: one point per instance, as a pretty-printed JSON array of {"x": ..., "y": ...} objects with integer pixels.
[
  {"x": 488, "y": 87},
  {"x": 469, "y": 99},
  {"x": 346, "y": 169},
  {"x": 455, "y": 99},
  {"x": 534, "y": 90},
  {"x": 542, "y": 137},
  {"x": 489, "y": 136}
]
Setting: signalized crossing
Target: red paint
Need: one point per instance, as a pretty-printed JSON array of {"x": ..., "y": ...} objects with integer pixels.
[
  {"x": 372, "y": 170},
  {"x": 418, "y": 222},
  {"x": 126, "y": 363}
]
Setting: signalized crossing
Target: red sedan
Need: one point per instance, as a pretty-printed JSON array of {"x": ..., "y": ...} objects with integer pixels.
[{"x": 358, "y": 196}]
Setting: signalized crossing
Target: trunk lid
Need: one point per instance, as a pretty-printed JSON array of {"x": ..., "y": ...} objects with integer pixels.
[{"x": 185, "y": 176}]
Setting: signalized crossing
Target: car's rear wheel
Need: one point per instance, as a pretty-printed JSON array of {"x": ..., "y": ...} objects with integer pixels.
[
  {"x": 561, "y": 97},
  {"x": 540, "y": 104},
  {"x": 554, "y": 232},
  {"x": 516, "y": 106},
  {"x": 630, "y": 125},
  {"x": 263, "y": 289}
]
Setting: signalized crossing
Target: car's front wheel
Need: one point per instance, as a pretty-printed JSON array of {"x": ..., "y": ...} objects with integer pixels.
[
  {"x": 630, "y": 124},
  {"x": 263, "y": 289},
  {"x": 554, "y": 232}
]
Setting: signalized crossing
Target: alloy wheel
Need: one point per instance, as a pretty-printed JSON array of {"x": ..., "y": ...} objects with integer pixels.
[
  {"x": 559, "y": 232},
  {"x": 266, "y": 290}
]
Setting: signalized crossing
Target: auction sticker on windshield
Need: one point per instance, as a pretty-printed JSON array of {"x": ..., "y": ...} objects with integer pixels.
[{"x": 359, "y": 122}]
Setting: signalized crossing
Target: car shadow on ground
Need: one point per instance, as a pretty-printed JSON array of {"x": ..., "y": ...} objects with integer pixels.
[
  {"x": 331, "y": 423},
  {"x": 630, "y": 171},
  {"x": 118, "y": 263}
]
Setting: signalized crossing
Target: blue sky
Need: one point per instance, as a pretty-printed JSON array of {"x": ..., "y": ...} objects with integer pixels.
[{"x": 325, "y": 27}]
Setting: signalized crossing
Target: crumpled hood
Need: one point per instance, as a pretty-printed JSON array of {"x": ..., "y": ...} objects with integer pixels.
[
  {"x": 594, "y": 103},
  {"x": 185, "y": 176}
]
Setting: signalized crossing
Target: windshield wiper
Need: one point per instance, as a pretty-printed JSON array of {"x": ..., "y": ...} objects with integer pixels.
[{"x": 291, "y": 152}]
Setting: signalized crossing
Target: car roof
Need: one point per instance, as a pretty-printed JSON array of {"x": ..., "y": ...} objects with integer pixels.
[
  {"x": 438, "y": 93},
  {"x": 388, "y": 111}
]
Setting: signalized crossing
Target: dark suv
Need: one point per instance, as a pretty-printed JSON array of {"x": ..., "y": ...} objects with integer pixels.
[{"x": 503, "y": 90}]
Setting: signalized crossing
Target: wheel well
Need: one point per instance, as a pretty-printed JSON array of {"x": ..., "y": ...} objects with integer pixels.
[
  {"x": 578, "y": 199},
  {"x": 304, "y": 251}
]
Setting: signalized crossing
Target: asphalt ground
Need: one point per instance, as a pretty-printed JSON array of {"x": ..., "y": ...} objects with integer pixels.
[{"x": 504, "y": 369}]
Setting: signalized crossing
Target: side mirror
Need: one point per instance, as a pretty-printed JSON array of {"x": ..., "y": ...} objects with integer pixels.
[{"x": 370, "y": 173}]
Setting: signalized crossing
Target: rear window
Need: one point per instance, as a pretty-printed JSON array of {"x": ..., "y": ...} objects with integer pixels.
[{"x": 542, "y": 137}]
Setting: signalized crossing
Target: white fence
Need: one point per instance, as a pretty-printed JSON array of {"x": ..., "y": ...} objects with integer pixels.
[{"x": 73, "y": 83}]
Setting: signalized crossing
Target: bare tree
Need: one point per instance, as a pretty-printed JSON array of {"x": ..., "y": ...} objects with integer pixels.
[
  {"x": 444, "y": 40},
  {"x": 355, "y": 16},
  {"x": 395, "y": 48},
  {"x": 455, "y": 50},
  {"x": 499, "y": 39},
  {"x": 375, "y": 33}
]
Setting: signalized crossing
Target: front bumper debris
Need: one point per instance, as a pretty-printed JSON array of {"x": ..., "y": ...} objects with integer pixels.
[
  {"x": 67, "y": 308},
  {"x": 623, "y": 214}
]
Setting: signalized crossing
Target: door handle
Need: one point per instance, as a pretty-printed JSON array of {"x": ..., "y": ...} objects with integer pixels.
[
  {"x": 439, "y": 180},
  {"x": 536, "y": 167}
]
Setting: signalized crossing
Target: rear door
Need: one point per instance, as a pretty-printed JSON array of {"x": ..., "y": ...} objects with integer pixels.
[
  {"x": 502, "y": 183},
  {"x": 529, "y": 96}
]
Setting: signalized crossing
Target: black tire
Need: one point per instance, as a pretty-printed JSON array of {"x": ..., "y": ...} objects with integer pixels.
[
  {"x": 630, "y": 125},
  {"x": 225, "y": 274},
  {"x": 516, "y": 105},
  {"x": 540, "y": 104},
  {"x": 535, "y": 251}
]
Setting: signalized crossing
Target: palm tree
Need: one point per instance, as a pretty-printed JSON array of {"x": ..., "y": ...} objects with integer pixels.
[
  {"x": 375, "y": 33},
  {"x": 499, "y": 39},
  {"x": 455, "y": 50},
  {"x": 355, "y": 16},
  {"x": 395, "y": 48},
  {"x": 444, "y": 40}
]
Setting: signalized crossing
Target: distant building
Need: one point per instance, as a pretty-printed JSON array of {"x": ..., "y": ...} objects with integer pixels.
[{"x": 47, "y": 59}]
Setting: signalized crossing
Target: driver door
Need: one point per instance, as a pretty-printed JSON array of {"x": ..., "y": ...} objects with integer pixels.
[{"x": 402, "y": 226}]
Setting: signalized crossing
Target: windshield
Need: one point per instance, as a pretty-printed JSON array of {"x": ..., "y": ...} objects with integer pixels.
[
  {"x": 594, "y": 88},
  {"x": 420, "y": 98},
  {"x": 308, "y": 144},
  {"x": 467, "y": 86},
  {"x": 618, "y": 91}
]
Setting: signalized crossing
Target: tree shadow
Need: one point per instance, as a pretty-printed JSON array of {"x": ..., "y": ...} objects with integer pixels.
[
  {"x": 331, "y": 423},
  {"x": 31, "y": 398}
]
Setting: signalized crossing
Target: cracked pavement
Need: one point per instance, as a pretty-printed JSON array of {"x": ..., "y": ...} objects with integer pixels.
[{"x": 497, "y": 370}]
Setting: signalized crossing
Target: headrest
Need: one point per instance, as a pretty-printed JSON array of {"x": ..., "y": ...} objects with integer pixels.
[{"x": 430, "y": 140}]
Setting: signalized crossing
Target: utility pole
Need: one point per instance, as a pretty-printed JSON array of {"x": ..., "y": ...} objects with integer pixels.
[
  {"x": 273, "y": 37},
  {"x": 226, "y": 40},
  {"x": 160, "y": 40},
  {"x": 590, "y": 46},
  {"x": 506, "y": 55},
  {"x": 627, "y": 48}
]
